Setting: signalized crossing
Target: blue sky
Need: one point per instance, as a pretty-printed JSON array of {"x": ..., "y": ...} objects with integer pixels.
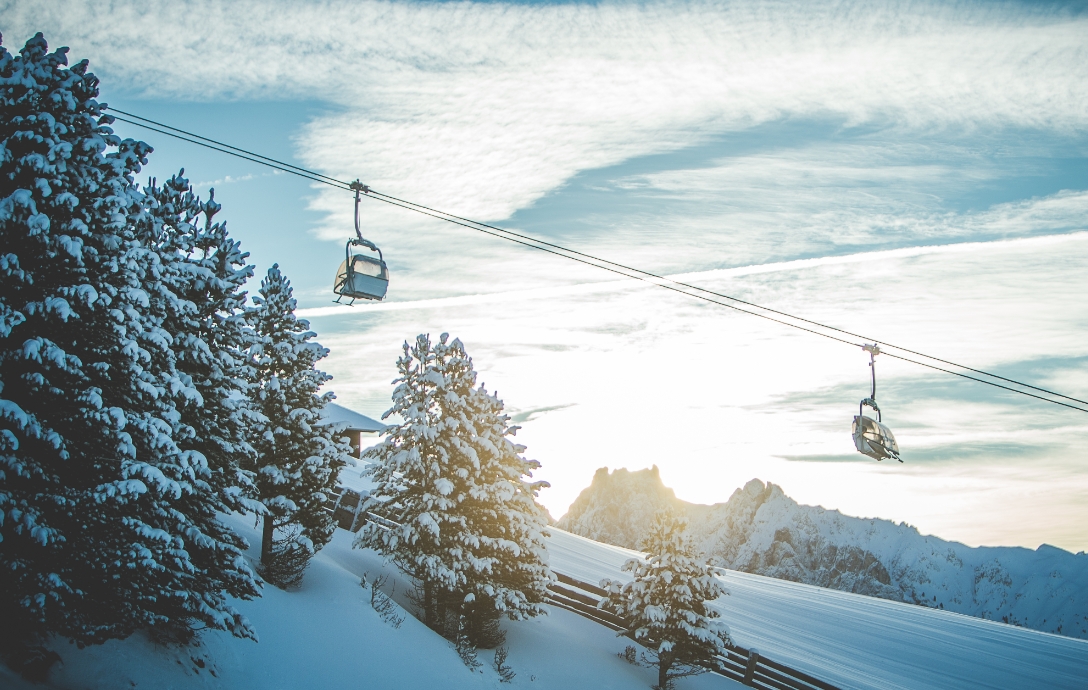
[{"x": 917, "y": 171}]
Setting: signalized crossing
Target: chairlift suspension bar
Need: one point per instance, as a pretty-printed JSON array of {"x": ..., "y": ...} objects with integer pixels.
[
  {"x": 694, "y": 291},
  {"x": 873, "y": 351},
  {"x": 872, "y": 370},
  {"x": 358, "y": 187}
]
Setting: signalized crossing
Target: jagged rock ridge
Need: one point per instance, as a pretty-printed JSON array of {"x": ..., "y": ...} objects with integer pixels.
[{"x": 761, "y": 530}]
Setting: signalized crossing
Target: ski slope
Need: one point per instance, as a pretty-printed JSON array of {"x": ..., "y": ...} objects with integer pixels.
[
  {"x": 325, "y": 635},
  {"x": 860, "y": 642}
]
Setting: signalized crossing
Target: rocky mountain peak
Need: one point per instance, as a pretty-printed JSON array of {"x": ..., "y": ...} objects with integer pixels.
[
  {"x": 761, "y": 530},
  {"x": 603, "y": 510}
]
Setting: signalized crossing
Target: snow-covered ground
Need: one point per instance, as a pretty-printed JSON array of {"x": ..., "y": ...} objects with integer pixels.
[
  {"x": 326, "y": 635},
  {"x": 856, "y": 641}
]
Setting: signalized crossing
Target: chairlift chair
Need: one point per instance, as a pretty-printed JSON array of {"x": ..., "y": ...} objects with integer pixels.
[
  {"x": 871, "y": 437},
  {"x": 361, "y": 276}
]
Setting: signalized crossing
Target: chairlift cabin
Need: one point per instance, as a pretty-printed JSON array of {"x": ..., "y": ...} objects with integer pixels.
[
  {"x": 871, "y": 437},
  {"x": 361, "y": 276}
]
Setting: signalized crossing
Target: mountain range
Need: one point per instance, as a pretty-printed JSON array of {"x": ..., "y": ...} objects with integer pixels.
[{"x": 760, "y": 530}]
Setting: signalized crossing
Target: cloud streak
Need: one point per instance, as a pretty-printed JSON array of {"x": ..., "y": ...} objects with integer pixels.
[{"x": 484, "y": 108}]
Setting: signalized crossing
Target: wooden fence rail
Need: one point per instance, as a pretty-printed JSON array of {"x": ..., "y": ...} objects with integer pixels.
[
  {"x": 345, "y": 507},
  {"x": 743, "y": 665}
]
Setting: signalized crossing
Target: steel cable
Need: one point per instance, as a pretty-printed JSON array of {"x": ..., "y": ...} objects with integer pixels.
[{"x": 677, "y": 286}]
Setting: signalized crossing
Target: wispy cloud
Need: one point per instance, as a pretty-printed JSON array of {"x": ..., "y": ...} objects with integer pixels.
[
  {"x": 233, "y": 179},
  {"x": 484, "y": 108},
  {"x": 701, "y": 278}
]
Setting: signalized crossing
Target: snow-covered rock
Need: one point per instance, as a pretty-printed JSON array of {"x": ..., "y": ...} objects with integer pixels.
[{"x": 761, "y": 530}]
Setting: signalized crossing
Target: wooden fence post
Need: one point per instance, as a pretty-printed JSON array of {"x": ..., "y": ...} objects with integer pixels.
[{"x": 750, "y": 668}]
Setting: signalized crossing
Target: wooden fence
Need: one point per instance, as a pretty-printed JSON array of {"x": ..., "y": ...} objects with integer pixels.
[
  {"x": 345, "y": 506},
  {"x": 744, "y": 665}
]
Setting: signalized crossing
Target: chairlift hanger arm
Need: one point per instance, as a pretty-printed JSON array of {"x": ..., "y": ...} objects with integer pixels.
[
  {"x": 873, "y": 351},
  {"x": 358, "y": 187}
]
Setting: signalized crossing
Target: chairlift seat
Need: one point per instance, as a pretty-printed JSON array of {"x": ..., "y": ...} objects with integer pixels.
[
  {"x": 361, "y": 276},
  {"x": 874, "y": 439}
]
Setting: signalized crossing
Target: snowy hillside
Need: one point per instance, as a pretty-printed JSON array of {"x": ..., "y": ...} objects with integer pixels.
[
  {"x": 761, "y": 530},
  {"x": 861, "y": 643},
  {"x": 326, "y": 635}
]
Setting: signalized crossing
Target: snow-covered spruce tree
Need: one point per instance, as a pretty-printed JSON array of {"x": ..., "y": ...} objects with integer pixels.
[
  {"x": 664, "y": 606},
  {"x": 101, "y": 511},
  {"x": 205, "y": 270},
  {"x": 470, "y": 530},
  {"x": 298, "y": 456}
]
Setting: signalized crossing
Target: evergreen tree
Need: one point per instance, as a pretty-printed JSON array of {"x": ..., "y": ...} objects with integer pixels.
[
  {"x": 104, "y": 524},
  {"x": 205, "y": 270},
  {"x": 469, "y": 528},
  {"x": 664, "y": 606},
  {"x": 298, "y": 456}
]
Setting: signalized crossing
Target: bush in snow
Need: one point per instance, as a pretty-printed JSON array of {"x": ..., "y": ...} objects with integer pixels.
[
  {"x": 107, "y": 503},
  {"x": 465, "y": 647},
  {"x": 467, "y": 526},
  {"x": 298, "y": 456},
  {"x": 505, "y": 673},
  {"x": 289, "y": 557},
  {"x": 381, "y": 602},
  {"x": 664, "y": 606}
]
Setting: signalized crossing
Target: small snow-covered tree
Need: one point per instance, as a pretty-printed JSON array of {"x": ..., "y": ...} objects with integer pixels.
[
  {"x": 468, "y": 527},
  {"x": 298, "y": 455},
  {"x": 664, "y": 605},
  {"x": 104, "y": 513}
]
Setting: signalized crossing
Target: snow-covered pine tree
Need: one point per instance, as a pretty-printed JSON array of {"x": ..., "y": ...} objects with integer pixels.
[
  {"x": 471, "y": 532},
  {"x": 298, "y": 455},
  {"x": 664, "y": 606},
  {"x": 504, "y": 526},
  {"x": 404, "y": 463},
  {"x": 205, "y": 270},
  {"x": 97, "y": 536}
]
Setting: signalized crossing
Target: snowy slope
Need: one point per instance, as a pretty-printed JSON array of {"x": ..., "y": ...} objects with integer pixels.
[
  {"x": 326, "y": 635},
  {"x": 761, "y": 530},
  {"x": 861, "y": 642}
]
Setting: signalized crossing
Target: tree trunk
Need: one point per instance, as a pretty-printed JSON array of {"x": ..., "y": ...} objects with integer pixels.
[
  {"x": 266, "y": 540},
  {"x": 664, "y": 663},
  {"x": 428, "y": 605}
]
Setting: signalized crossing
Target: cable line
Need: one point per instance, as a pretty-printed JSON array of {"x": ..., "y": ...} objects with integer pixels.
[
  {"x": 233, "y": 150},
  {"x": 680, "y": 287},
  {"x": 751, "y": 304}
]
